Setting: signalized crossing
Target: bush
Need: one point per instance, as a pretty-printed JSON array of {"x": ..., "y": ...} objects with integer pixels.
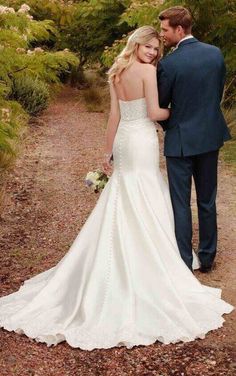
[
  {"x": 93, "y": 99},
  {"x": 13, "y": 120},
  {"x": 32, "y": 94},
  {"x": 78, "y": 78}
]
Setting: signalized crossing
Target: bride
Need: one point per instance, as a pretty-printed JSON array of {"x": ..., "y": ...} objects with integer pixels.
[{"x": 123, "y": 282}]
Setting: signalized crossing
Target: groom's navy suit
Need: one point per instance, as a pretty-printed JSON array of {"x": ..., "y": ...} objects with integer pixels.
[{"x": 191, "y": 79}]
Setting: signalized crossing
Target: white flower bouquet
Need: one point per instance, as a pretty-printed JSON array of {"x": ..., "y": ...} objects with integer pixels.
[{"x": 96, "y": 180}]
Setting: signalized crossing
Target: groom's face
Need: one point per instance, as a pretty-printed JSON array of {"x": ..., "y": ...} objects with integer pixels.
[{"x": 171, "y": 35}]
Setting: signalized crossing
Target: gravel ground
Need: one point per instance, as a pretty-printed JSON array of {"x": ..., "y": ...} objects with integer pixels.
[{"x": 46, "y": 204}]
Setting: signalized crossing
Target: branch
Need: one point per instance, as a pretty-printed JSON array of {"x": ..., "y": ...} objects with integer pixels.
[{"x": 16, "y": 71}]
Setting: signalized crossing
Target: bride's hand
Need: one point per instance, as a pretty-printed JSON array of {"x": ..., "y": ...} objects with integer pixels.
[{"x": 107, "y": 164}]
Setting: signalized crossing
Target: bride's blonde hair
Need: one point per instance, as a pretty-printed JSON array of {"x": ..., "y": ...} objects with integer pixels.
[{"x": 140, "y": 36}]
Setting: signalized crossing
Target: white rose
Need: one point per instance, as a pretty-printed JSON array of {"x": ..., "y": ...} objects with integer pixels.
[
  {"x": 89, "y": 175},
  {"x": 96, "y": 175}
]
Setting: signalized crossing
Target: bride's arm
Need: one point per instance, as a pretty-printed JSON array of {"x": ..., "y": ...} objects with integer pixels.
[
  {"x": 151, "y": 95},
  {"x": 112, "y": 124}
]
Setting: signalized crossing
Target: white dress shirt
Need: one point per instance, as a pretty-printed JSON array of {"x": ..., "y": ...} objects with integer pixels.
[{"x": 185, "y": 38}]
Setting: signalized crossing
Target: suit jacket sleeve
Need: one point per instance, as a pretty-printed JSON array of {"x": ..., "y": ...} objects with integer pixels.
[{"x": 164, "y": 90}]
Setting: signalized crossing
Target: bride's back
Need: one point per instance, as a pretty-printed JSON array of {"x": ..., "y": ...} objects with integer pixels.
[{"x": 130, "y": 86}]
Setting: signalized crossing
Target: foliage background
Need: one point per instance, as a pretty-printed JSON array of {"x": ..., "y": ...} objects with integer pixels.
[
  {"x": 95, "y": 30},
  {"x": 43, "y": 43},
  {"x": 27, "y": 68}
]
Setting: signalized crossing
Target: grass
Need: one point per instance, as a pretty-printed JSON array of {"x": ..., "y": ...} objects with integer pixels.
[
  {"x": 228, "y": 152},
  {"x": 93, "y": 99},
  {"x": 96, "y": 92},
  {"x": 29, "y": 260}
]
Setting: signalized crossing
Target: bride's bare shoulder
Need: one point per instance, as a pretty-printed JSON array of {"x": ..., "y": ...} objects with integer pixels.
[{"x": 144, "y": 69}]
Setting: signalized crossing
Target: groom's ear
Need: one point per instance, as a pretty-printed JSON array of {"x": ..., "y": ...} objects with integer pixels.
[{"x": 180, "y": 30}]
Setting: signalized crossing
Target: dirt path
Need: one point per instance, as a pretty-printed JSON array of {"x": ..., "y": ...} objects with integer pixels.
[{"x": 45, "y": 206}]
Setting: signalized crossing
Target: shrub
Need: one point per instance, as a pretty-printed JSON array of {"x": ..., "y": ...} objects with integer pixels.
[
  {"x": 12, "y": 124},
  {"x": 78, "y": 78},
  {"x": 32, "y": 94},
  {"x": 27, "y": 67},
  {"x": 93, "y": 98},
  {"x": 13, "y": 120}
]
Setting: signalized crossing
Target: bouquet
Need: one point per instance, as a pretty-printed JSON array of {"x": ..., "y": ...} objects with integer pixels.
[{"x": 96, "y": 180}]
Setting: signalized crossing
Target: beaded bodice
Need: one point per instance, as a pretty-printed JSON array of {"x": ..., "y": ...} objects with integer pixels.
[{"x": 133, "y": 110}]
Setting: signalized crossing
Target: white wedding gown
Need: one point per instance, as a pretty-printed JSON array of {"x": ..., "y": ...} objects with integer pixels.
[{"x": 123, "y": 281}]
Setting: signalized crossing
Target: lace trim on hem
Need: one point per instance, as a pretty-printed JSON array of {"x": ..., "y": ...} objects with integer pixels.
[{"x": 128, "y": 337}]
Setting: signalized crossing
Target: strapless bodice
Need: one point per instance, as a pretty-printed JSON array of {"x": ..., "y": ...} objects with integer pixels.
[{"x": 133, "y": 110}]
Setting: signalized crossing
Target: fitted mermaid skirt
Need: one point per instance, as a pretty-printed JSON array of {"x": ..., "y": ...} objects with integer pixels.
[{"x": 122, "y": 282}]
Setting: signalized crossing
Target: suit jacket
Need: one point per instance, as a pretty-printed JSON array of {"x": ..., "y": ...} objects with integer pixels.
[{"x": 192, "y": 79}]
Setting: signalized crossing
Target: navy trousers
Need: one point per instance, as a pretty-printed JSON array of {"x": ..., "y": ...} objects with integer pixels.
[{"x": 203, "y": 169}]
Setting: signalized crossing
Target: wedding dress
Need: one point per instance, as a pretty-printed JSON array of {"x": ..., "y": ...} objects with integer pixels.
[{"x": 123, "y": 282}]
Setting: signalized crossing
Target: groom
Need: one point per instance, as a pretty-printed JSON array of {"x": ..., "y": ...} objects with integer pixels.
[{"x": 191, "y": 80}]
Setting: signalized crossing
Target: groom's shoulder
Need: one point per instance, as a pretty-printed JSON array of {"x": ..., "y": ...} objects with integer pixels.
[
  {"x": 212, "y": 52},
  {"x": 200, "y": 48},
  {"x": 168, "y": 61},
  {"x": 209, "y": 47}
]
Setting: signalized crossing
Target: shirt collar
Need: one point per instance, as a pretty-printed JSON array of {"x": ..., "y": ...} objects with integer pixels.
[{"x": 185, "y": 38}]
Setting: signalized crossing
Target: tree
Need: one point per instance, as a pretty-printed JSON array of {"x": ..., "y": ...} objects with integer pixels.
[
  {"x": 95, "y": 24},
  {"x": 214, "y": 23},
  {"x": 23, "y": 69}
]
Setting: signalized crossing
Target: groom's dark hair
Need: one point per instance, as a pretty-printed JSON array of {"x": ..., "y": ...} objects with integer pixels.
[{"x": 178, "y": 16}]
